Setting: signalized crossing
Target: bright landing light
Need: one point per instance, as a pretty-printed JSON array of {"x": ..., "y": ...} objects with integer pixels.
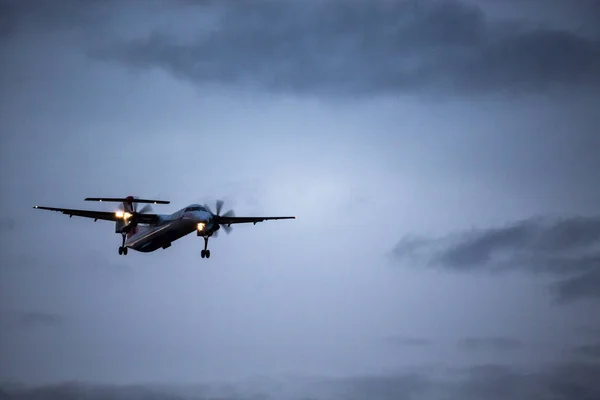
[
  {"x": 200, "y": 226},
  {"x": 121, "y": 214}
]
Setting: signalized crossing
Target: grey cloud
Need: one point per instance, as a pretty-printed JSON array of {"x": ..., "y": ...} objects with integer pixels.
[
  {"x": 498, "y": 382},
  {"x": 375, "y": 387},
  {"x": 7, "y": 23},
  {"x": 500, "y": 344},
  {"x": 33, "y": 319},
  {"x": 589, "y": 351},
  {"x": 385, "y": 387},
  {"x": 585, "y": 284},
  {"x": 375, "y": 47},
  {"x": 574, "y": 381},
  {"x": 408, "y": 341},
  {"x": 589, "y": 331},
  {"x": 531, "y": 237},
  {"x": 567, "y": 249},
  {"x": 30, "y": 319},
  {"x": 74, "y": 390},
  {"x": 15, "y": 14},
  {"x": 566, "y": 381}
]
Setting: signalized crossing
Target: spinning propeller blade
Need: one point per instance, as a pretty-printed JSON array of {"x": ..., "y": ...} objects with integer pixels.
[
  {"x": 219, "y": 206},
  {"x": 145, "y": 209},
  {"x": 133, "y": 220},
  {"x": 217, "y": 216}
]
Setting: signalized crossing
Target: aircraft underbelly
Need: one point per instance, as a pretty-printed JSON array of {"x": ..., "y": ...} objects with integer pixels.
[{"x": 159, "y": 237}]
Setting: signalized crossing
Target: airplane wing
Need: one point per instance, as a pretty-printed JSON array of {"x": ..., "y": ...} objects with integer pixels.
[
  {"x": 224, "y": 220},
  {"x": 103, "y": 215}
]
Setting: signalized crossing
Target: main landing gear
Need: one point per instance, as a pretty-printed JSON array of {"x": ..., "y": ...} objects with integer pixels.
[
  {"x": 122, "y": 248},
  {"x": 205, "y": 253}
]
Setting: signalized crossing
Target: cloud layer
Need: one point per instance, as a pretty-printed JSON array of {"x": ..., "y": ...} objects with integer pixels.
[
  {"x": 366, "y": 48},
  {"x": 30, "y": 320},
  {"x": 498, "y": 344},
  {"x": 568, "y": 381},
  {"x": 567, "y": 249}
]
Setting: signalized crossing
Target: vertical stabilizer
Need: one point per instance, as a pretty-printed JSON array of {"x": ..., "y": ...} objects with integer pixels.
[{"x": 121, "y": 224}]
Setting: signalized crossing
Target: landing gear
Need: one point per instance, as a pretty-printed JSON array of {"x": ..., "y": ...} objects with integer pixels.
[
  {"x": 122, "y": 248},
  {"x": 205, "y": 253}
]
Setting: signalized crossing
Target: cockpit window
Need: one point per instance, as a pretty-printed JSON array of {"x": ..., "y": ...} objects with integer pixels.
[{"x": 195, "y": 208}]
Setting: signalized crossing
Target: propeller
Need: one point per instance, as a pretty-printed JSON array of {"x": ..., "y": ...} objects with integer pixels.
[
  {"x": 145, "y": 209},
  {"x": 217, "y": 216},
  {"x": 133, "y": 220}
]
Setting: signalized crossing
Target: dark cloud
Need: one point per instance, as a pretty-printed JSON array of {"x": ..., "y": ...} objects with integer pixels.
[
  {"x": 567, "y": 381},
  {"x": 33, "y": 319},
  {"x": 531, "y": 238},
  {"x": 385, "y": 387},
  {"x": 30, "y": 319},
  {"x": 17, "y": 16},
  {"x": 574, "y": 381},
  {"x": 79, "y": 390},
  {"x": 585, "y": 284},
  {"x": 7, "y": 19},
  {"x": 589, "y": 331},
  {"x": 499, "y": 344},
  {"x": 589, "y": 351},
  {"x": 566, "y": 249},
  {"x": 498, "y": 382},
  {"x": 374, "y": 47},
  {"x": 408, "y": 341}
]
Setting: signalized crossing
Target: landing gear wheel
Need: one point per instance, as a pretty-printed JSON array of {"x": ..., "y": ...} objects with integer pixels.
[
  {"x": 122, "y": 248},
  {"x": 205, "y": 253}
]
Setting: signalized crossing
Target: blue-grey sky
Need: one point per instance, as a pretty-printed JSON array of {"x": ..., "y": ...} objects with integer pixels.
[{"x": 442, "y": 158}]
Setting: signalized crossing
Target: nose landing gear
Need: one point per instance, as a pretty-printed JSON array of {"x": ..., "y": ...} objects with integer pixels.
[{"x": 205, "y": 253}]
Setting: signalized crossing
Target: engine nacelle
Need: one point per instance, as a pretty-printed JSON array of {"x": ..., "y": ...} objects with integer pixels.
[
  {"x": 206, "y": 229},
  {"x": 120, "y": 224}
]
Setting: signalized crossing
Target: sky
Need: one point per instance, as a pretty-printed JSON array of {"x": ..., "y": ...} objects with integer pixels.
[{"x": 441, "y": 158}]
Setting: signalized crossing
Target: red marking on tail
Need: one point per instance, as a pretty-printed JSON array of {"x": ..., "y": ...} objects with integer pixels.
[
  {"x": 128, "y": 207},
  {"x": 128, "y": 204}
]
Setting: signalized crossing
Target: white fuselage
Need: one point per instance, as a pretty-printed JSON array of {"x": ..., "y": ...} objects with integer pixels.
[{"x": 148, "y": 238}]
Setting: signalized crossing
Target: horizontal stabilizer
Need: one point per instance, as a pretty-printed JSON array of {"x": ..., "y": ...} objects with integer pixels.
[{"x": 126, "y": 200}]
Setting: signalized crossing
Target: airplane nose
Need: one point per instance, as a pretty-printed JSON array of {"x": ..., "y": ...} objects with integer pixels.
[{"x": 202, "y": 217}]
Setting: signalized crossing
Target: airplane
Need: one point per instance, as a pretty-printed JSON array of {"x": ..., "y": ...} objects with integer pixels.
[{"x": 146, "y": 232}]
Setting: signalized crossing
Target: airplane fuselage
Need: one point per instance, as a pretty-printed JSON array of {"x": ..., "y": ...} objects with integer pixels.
[{"x": 148, "y": 238}]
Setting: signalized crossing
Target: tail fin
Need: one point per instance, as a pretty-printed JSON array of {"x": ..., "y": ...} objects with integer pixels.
[
  {"x": 129, "y": 207},
  {"x": 128, "y": 204}
]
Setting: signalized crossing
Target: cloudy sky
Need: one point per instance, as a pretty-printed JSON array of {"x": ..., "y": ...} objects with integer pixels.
[{"x": 442, "y": 158}]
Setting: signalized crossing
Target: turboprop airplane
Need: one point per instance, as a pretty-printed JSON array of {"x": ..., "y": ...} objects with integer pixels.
[{"x": 146, "y": 232}]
